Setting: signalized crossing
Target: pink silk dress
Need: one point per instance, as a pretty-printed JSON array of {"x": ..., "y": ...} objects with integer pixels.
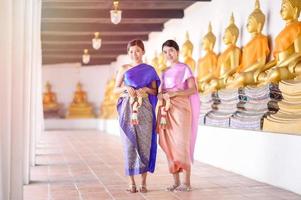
[{"x": 178, "y": 138}]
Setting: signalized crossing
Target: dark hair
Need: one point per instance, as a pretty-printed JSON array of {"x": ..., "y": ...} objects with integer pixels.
[
  {"x": 135, "y": 42},
  {"x": 171, "y": 43}
]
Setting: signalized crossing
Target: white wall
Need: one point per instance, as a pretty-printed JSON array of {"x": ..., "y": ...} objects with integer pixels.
[
  {"x": 267, "y": 157},
  {"x": 64, "y": 77}
]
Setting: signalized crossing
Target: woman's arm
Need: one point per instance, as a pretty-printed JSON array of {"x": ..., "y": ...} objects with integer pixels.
[
  {"x": 189, "y": 91},
  {"x": 153, "y": 90},
  {"x": 119, "y": 87}
]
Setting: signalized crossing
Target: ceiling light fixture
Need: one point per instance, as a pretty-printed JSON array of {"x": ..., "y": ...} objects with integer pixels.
[
  {"x": 96, "y": 41},
  {"x": 86, "y": 57},
  {"x": 115, "y": 13}
]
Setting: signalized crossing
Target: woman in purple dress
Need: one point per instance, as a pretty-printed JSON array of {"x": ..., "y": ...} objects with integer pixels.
[{"x": 137, "y": 83}]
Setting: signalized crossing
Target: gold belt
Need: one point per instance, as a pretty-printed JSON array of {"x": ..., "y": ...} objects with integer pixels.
[{"x": 145, "y": 95}]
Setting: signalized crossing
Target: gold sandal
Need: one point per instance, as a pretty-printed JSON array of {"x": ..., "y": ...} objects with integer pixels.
[
  {"x": 183, "y": 188},
  {"x": 132, "y": 189},
  {"x": 172, "y": 188}
]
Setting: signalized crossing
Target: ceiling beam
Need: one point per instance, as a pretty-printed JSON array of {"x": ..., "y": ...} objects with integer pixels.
[
  {"x": 95, "y": 61},
  {"x": 105, "y": 21},
  {"x": 80, "y": 51},
  {"x": 111, "y": 33},
  {"x": 83, "y": 46},
  {"x": 103, "y": 13},
  {"x": 77, "y": 56},
  {"x": 87, "y": 42},
  {"x": 105, "y": 4},
  {"x": 89, "y": 37},
  {"x": 96, "y": 27}
]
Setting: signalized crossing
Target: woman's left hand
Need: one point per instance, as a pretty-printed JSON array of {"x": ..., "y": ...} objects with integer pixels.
[
  {"x": 171, "y": 94},
  {"x": 141, "y": 92}
]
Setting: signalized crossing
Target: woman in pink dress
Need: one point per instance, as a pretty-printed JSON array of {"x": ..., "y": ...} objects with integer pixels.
[{"x": 178, "y": 116}]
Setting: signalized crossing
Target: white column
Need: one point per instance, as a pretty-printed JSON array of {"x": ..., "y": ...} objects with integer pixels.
[
  {"x": 5, "y": 96},
  {"x": 20, "y": 102}
]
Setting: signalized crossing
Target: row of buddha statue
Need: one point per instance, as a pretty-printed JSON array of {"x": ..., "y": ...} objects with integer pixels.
[
  {"x": 250, "y": 67},
  {"x": 80, "y": 106},
  {"x": 235, "y": 67}
]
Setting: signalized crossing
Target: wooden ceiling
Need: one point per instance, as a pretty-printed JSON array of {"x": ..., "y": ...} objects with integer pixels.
[{"x": 68, "y": 26}]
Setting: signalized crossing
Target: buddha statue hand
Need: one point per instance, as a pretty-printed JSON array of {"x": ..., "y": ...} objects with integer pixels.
[
  {"x": 258, "y": 75},
  {"x": 295, "y": 67}
]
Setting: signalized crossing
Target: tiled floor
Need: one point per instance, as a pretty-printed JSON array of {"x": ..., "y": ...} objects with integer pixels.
[{"x": 89, "y": 165}]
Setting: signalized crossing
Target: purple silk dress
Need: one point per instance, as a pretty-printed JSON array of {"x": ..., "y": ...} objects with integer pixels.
[{"x": 140, "y": 141}]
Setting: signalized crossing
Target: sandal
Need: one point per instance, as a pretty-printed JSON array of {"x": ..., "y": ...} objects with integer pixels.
[
  {"x": 132, "y": 189},
  {"x": 183, "y": 188},
  {"x": 172, "y": 188},
  {"x": 143, "y": 189}
]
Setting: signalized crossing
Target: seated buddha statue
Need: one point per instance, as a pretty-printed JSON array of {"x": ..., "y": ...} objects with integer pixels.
[
  {"x": 207, "y": 64},
  {"x": 80, "y": 108},
  {"x": 108, "y": 105},
  {"x": 287, "y": 51},
  {"x": 51, "y": 108},
  {"x": 228, "y": 60},
  {"x": 161, "y": 63},
  {"x": 155, "y": 62},
  {"x": 254, "y": 53},
  {"x": 187, "y": 49},
  {"x": 49, "y": 99}
]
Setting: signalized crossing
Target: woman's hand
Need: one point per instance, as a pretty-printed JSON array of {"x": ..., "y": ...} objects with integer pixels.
[
  {"x": 131, "y": 91},
  {"x": 141, "y": 92},
  {"x": 160, "y": 96},
  {"x": 171, "y": 94}
]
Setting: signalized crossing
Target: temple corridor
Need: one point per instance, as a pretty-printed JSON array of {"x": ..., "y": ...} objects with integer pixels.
[{"x": 88, "y": 165}]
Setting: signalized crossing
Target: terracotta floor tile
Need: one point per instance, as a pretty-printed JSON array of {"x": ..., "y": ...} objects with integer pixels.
[{"x": 88, "y": 165}]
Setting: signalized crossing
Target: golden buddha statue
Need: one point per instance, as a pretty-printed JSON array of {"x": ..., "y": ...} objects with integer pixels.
[
  {"x": 254, "y": 53},
  {"x": 207, "y": 64},
  {"x": 80, "y": 108},
  {"x": 161, "y": 63},
  {"x": 108, "y": 105},
  {"x": 49, "y": 99},
  {"x": 155, "y": 62},
  {"x": 187, "y": 50},
  {"x": 228, "y": 61},
  {"x": 287, "y": 51}
]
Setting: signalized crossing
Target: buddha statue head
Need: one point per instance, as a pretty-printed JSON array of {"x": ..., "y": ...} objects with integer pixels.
[
  {"x": 231, "y": 33},
  {"x": 79, "y": 87},
  {"x": 48, "y": 87},
  {"x": 256, "y": 19},
  {"x": 290, "y": 10},
  {"x": 209, "y": 39},
  {"x": 187, "y": 47}
]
